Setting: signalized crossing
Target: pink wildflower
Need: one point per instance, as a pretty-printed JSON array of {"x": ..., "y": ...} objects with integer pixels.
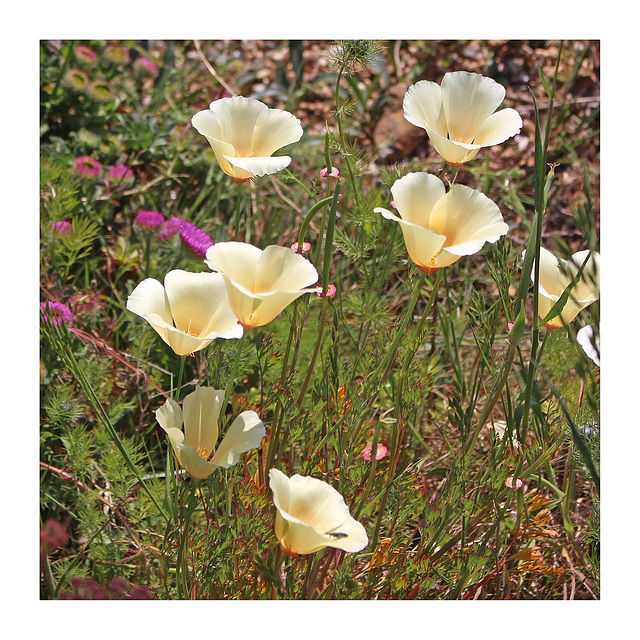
[
  {"x": 149, "y": 219},
  {"x": 196, "y": 240},
  {"x": 119, "y": 172},
  {"x": 55, "y": 312},
  {"x": 331, "y": 290},
  {"x": 88, "y": 167},
  {"x": 305, "y": 247},
  {"x": 170, "y": 228},
  {"x": 333, "y": 174},
  {"x": 145, "y": 67},
  {"x": 61, "y": 227},
  {"x": 85, "y": 54},
  {"x": 509, "y": 483},
  {"x": 381, "y": 451},
  {"x": 52, "y": 536}
]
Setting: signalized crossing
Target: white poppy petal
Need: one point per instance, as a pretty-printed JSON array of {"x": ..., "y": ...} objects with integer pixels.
[
  {"x": 273, "y": 130},
  {"x": 257, "y": 166},
  {"x": 238, "y": 260},
  {"x": 196, "y": 301},
  {"x": 280, "y": 269},
  {"x": 237, "y": 117},
  {"x": 454, "y": 153},
  {"x": 148, "y": 298},
  {"x": 245, "y": 433},
  {"x": 468, "y": 219},
  {"x": 169, "y": 415},
  {"x": 196, "y": 466},
  {"x": 422, "y": 244},
  {"x": 422, "y": 106},
  {"x": 201, "y": 410},
  {"x": 415, "y": 195},
  {"x": 468, "y": 100},
  {"x": 499, "y": 127}
]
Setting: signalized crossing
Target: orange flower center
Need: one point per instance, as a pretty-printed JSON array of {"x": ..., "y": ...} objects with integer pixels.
[{"x": 430, "y": 267}]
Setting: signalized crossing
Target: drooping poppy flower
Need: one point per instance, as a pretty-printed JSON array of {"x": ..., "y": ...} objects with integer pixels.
[
  {"x": 460, "y": 115},
  {"x": 260, "y": 284},
  {"x": 555, "y": 275},
  {"x": 439, "y": 228},
  {"x": 312, "y": 515},
  {"x": 188, "y": 312},
  {"x": 244, "y": 133},
  {"x": 195, "y": 445}
]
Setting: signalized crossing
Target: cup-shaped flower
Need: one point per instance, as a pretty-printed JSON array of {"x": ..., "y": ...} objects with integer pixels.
[
  {"x": 312, "y": 515},
  {"x": 188, "y": 312},
  {"x": 555, "y": 275},
  {"x": 460, "y": 115},
  {"x": 244, "y": 133},
  {"x": 195, "y": 446},
  {"x": 260, "y": 284},
  {"x": 439, "y": 228}
]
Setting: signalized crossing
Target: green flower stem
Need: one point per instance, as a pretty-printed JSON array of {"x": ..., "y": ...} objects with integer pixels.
[
  {"x": 182, "y": 567},
  {"x": 230, "y": 382},
  {"x": 385, "y": 365},
  {"x": 176, "y": 391},
  {"x": 277, "y": 416},
  {"x": 239, "y": 206},
  {"x": 147, "y": 255},
  {"x": 341, "y": 135}
]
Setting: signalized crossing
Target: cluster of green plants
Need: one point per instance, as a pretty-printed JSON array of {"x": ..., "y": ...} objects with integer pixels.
[{"x": 415, "y": 368}]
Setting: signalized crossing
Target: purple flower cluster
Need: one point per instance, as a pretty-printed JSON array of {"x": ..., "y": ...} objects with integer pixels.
[
  {"x": 55, "y": 312},
  {"x": 195, "y": 239},
  {"x": 149, "y": 219},
  {"x": 170, "y": 228},
  {"x": 118, "y": 589}
]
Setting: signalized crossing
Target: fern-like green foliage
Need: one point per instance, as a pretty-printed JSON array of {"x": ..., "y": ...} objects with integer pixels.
[{"x": 60, "y": 201}]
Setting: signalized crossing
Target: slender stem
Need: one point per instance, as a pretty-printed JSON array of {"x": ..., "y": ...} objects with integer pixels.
[
  {"x": 239, "y": 206},
  {"x": 176, "y": 391},
  {"x": 277, "y": 417},
  {"x": 230, "y": 382}
]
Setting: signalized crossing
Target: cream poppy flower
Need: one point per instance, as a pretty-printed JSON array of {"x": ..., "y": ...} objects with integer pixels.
[
  {"x": 439, "y": 228},
  {"x": 260, "y": 284},
  {"x": 555, "y": 276},
  {"x": 188, "y": 312},
  {"x": 195, "y": 447},
  {"x": 244, "y": 133},
  {"x": 458, "y": 115},
  {"x": 590, "y": 343},
  {"x": 312, "y": 515}
]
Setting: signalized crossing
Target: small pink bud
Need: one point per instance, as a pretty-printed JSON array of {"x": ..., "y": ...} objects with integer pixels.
[
  {"x": 331, "y": 290},
  {"x": 305, "y": 247},
  {"x": 381, "y": 451},
  {"x": 509, "y": 483},
  {"x": 333, "y": 174}
]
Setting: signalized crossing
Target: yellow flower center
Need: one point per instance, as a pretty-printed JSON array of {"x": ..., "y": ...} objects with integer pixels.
[{"x": 430, "y": 267}]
